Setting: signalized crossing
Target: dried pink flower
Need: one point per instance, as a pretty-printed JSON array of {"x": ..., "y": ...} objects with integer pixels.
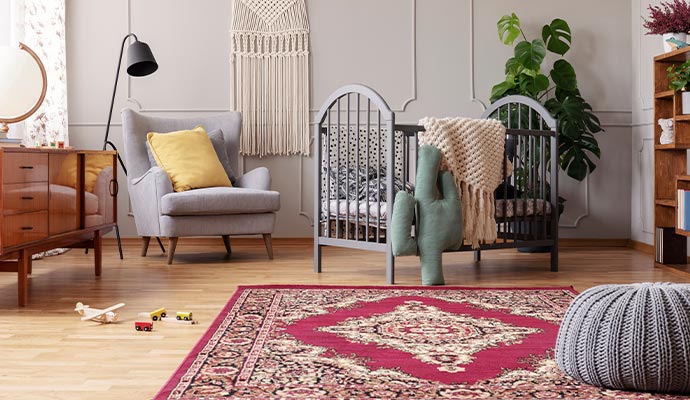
[{"x": 668, "y": 16}]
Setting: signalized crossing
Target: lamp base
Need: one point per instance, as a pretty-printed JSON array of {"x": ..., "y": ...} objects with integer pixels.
[{"x": 4, "y": 129}]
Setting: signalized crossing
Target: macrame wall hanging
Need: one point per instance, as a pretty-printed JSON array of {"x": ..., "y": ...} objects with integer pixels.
[{"x": 270, "y": 65}]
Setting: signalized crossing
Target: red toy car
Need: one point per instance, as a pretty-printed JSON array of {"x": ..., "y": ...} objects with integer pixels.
[{"x": 146, "y": 326}]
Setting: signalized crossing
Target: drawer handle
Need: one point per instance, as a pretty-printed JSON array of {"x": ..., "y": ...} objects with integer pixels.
[
  {"x": 27, "y": 228},
  {"x": 27, "y": 167},
  {"x": 27, "y": 197},
  {"x": 114, "y": 187}
]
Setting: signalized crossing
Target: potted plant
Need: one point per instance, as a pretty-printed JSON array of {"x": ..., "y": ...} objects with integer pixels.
[
  {"x": 679, "y": 80},
  {"x": 558, "y": 92},
  {"x": 671, "y": 19}
]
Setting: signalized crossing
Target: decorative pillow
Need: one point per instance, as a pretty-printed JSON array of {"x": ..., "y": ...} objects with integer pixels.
[
  {"x": 189, "y": 159},
  {"x": 218, "y": 142}
]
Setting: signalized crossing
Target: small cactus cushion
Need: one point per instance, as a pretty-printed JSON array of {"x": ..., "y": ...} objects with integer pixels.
[{"x": 438, "y": 217}]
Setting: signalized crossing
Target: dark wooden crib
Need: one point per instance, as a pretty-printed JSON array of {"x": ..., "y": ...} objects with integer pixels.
[{"x": 362, "y": 157}]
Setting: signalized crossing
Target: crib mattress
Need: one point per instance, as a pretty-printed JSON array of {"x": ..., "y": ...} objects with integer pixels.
[
  {"x": 353, "y": 209},
  {"x": 360, "y": 208}
]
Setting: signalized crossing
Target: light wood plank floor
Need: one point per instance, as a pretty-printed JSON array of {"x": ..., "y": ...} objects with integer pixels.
[{"x": 48, "y": 353}]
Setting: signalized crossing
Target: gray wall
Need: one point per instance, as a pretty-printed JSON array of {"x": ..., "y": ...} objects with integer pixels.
[
  {"x": 431, "y": 57},
  {"x": 644, "y": 48}
]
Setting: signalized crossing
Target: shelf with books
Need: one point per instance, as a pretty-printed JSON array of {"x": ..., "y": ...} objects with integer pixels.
[{"x": 670, "y": 166}]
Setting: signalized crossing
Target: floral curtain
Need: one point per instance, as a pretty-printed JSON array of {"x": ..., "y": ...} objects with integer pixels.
[{"x": 40, "y": 24}]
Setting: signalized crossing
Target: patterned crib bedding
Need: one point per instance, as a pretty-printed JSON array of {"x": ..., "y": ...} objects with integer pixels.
[{"x": 524, "y": 207}]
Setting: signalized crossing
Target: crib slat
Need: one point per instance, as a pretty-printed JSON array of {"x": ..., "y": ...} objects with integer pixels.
[
  {"x": 378, "y": 176},
  {"x": 348, "y": 217},
  {"x": 535, "y": 187},
  {"x": 516, "y": 224},
  {"x": 337, "y": 174},
  {"x": 368, "y": 226},
  {"x": 359, "y": 133},
  {"x": 327, "y": 211},
  {"x": 544, "y": 163},
  {"x": 502, "y": 223}
]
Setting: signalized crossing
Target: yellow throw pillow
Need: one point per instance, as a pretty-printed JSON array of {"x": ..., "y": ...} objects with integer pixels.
[{"x": 189, "y": 159}]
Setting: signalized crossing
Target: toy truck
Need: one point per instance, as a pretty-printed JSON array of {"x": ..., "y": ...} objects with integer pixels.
[
  {"x": 184, "y": 315},
  {"x": 158, "y": 314},
  {"x": 146, "y": 326}
]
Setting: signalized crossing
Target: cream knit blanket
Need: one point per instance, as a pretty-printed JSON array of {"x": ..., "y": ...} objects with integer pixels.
[{"x": 473, "y": 150}]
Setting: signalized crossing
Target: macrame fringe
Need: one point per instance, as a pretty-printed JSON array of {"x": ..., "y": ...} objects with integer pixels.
[
  {"x": 478, "y": 214},
  {"x": 270, "y": 59}
]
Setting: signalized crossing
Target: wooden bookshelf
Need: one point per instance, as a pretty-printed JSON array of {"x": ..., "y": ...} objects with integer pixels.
[{"x": 670, "y": 161}]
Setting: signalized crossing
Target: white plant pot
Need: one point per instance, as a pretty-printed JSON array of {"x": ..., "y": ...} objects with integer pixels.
[
  {"x": 685, "y": 102},
  {"x": 682, "y": 36}
]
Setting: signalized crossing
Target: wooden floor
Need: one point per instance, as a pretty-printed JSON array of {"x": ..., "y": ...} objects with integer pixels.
[{"x": 48, "y": 353}]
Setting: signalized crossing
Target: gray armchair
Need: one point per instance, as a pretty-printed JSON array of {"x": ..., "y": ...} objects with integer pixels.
[{"x": 247, "y": 208}]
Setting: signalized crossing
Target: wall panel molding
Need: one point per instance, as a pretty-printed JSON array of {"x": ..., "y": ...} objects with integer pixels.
[
  {"x": 585, "y": 213},
  {"x": 473, "y": 91},
  {"x": 642, "y": 175}
]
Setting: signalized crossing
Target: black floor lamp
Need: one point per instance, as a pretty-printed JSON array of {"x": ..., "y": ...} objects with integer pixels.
[{"x": 140, "y": 62}]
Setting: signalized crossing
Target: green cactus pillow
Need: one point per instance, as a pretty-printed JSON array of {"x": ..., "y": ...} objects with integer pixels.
[{"x": 438, "y": 217}]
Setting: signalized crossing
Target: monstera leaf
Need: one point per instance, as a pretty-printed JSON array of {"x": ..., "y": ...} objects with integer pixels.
[
  {"x": 577, "y": 126},
  {"x": 531, "y": 55},
  {"x": 557, "y": 36},
  {"x": 563, "y": 75},
  {"x": 508, "y": 29}
]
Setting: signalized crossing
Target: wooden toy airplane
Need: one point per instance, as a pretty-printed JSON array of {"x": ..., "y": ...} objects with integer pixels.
[{"x": 104, "y": 316}]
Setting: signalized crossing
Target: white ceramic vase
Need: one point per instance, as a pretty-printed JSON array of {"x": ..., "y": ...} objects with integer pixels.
[{"x": 682, "y": 36}]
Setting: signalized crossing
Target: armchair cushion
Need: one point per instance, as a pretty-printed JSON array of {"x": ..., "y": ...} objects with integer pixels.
[
  {"x": 258, "y": 178},
  {"x": 220, "y": 201},
  {"x": 189, "y": 159}
]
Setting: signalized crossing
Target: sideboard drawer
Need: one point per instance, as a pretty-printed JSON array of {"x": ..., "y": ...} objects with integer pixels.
[
  {"x": 24, "y": 167},
  {"x": 24, "y": 197},
  {"x": 23, "y": 228}
]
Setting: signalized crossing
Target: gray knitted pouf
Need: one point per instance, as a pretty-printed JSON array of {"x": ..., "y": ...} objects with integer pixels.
[{"x": 634, "y": 337}]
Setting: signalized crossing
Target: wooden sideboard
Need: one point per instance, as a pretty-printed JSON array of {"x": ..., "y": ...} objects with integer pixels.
[{"x": 54, "y": 198}]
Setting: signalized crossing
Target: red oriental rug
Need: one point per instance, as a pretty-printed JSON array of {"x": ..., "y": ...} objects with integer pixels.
[{"x": 383, "y": 342}]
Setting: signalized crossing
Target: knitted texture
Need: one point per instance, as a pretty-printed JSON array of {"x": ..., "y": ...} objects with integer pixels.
[
  {"x": 473, "y": 151},
  {"x": 270, "y": 65},
  {"x": 628, "y": 337}
]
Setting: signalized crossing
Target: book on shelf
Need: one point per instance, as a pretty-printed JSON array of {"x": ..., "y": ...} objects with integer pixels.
[
  {"x": 683, "y": 209},
  {"x": 670, "y": 248},
  {"x": 10, "y": 142}
]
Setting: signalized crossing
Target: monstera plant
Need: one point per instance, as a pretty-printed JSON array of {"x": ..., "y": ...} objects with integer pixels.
[{"x": 557, "y": 91}]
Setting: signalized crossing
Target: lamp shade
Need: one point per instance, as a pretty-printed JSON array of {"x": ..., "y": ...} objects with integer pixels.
[
  {"x": 21, "y": 82},
  {"x": 140, "y": 60}
]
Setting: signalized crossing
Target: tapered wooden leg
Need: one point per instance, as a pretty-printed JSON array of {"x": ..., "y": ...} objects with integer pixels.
[
  {"x": 145, "y": 245},
  {"x": 226, "y": 242},
  {"x": 97, "y": 252},
  {"x": 172, "y": 243},
  {"x": 269, "y": 245},
  {"x": 23, "y": 266}
]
